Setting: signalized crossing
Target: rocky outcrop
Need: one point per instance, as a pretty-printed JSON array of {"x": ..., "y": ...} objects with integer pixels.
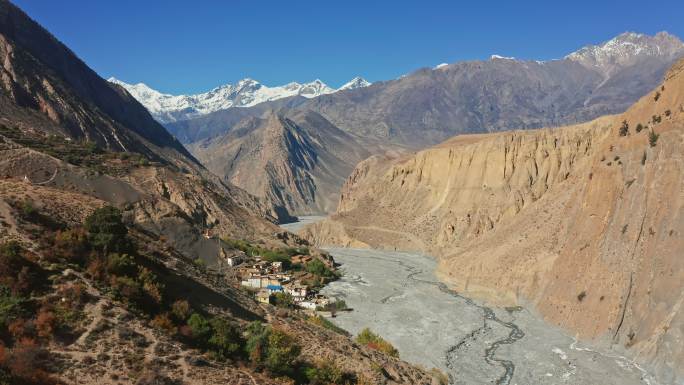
[
  {"x": 582, "y": 223},
  {"x": 432, "y": 104},
  {"x": 39, "y": 75}
]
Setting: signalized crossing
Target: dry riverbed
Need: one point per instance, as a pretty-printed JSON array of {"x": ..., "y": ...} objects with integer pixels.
[{"x": 398, "y": 296}]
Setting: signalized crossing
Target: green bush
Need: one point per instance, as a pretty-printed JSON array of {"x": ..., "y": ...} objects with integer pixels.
[
  {"x": 106, "y": 230},
  {"x": 225, "y": 339},
  {"x": 272, "y": 349},
  {"x": 326, "y": 373},
  {"x": 28, "y": 211},
  {"x": 121, "y": 264},
  {"x": 318, "y": 268},
  {"x": 284, "y": 300},
  {"x": 282, "y": 352},
  {"x": 200, "y": 327},
  {"x": 374, "y": 341},
  {"x": 257, "y": 342},
  {"x": 11, "y": 307},
  {"x": 653, "y": 138}
]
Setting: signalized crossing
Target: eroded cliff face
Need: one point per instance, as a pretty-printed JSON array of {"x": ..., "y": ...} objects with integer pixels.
[{"x": 582, "y": 223}]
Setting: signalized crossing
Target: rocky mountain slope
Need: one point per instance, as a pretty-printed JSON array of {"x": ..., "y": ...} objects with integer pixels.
[
  {"x": 168, "y": 108},
  {"x": 584, "y": 223},
  {"x": 40, "y": 75},
  {"x": 430, "y": 105},
  {"x": 296, "y": 160},
  {"x": 106, "y": 276}
]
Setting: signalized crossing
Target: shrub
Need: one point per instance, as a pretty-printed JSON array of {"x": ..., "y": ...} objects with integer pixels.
[
  {"x": 326, "y": 373},
  {"x": 643, "y": 159},
  {"x": 25, "y": 364},
  {"x": 45, "y": 323},
  {"x": 225, "y": 339},
  {"x": 121, "y": 264},
  {"x": 126, "y": 289},
  {"x": 67, "y": 317},
  {"x": 653, "y": 138},
  {"x": 163, "y": 322},
  {"x": 257, "y": 342},
  {"x": 200, "y": 328},
  {"x": 581, "y": 296},
  {"x": 11, "y": 307},
  {"x": 97, "y": 269},
  {"x": 639, "y": 127},
  {"x": 668, "y": 112},
  {"x": 28, "y": 210},
  {"x": 17, "y": 273},
  {"x": 10, "y": 251},
  {"x": 656, "y": 96},
  {"x": 624, "y": 128},
  {"x": 106, "y": 230},
  {"x": 374, "y": 341},
  {"x": 181, "y": 309},
  {"x": 318, "y": 268},
  {"x": 71, "y": 245},
  {"x": 282, "y": 352},
  {"x": 326, "y": 324},
  {"x": 284, "y": 300},
  {"x": 150, "y": 285},
  {"x": 199, "y": 262}
]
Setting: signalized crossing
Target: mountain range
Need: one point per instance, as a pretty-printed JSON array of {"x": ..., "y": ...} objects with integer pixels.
[
  {"x": 168, "y": 108},
  {"x": 432, "y": 104}
]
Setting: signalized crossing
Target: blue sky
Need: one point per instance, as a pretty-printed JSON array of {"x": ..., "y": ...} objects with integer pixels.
[{"x": 192, "y": 46}]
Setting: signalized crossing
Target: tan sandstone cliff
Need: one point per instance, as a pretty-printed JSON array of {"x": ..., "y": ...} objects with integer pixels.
[{"x": 580, "y": 222}]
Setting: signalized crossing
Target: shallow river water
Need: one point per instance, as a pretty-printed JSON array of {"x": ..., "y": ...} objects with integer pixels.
[{"x": 398, "y": 296}]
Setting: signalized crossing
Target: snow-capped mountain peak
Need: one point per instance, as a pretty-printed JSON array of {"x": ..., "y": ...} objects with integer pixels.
[
  {"x": 357, "y": 82},
  {"x": 247, "y": 92},
  {"x": 625, "y": 49}
]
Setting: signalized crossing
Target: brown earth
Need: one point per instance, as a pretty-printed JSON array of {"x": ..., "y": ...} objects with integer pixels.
[
  {"x": 116, "y": 346},
  {"x": 579, "y": 222}
]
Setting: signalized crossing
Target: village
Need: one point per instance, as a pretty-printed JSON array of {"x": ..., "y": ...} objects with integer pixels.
[{"x": 288, "y": 277}]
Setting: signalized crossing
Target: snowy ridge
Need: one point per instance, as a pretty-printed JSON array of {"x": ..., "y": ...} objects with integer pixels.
[
  {"x": 627, "y": 48},
  {"x": 357, "y": 82},
  {"x": 499, "y": 57},
  {"x": 168, "y": 108}
]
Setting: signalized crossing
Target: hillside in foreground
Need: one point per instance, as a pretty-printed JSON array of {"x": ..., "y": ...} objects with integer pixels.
[{"x": 110, "y": 237}]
